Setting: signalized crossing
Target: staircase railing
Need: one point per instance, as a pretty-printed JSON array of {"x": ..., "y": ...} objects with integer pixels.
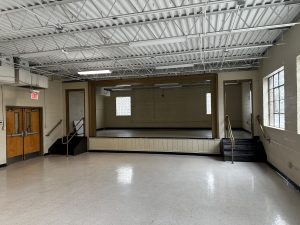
[
  {"x": 56, "y": 125},
  {"x": 71, "y": 135},
  {"x": 262, "y": 129},
  {"x": 229, "y": 134}
]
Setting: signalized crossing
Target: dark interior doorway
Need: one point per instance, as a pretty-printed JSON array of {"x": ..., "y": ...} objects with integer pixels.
[{"x": 238, "y": 106}]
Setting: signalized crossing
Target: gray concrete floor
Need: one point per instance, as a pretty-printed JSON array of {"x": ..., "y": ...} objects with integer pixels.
[
  {"x": 156, "y": 133},
  {"x": 142, "y": 189}
]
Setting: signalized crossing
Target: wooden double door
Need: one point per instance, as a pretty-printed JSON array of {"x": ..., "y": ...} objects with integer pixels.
[{"x": 23, "y": 133}]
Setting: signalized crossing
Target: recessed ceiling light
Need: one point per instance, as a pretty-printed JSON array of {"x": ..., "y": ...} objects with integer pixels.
[{"x": 94, "y": 72}]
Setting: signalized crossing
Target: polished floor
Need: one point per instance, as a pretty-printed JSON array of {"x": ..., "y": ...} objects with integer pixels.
[
  {"x": 144, "y": 189},
  {"x": 156, "y": 133}
]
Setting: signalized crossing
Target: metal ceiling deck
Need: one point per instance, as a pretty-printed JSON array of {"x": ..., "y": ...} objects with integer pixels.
[{"x": 62, "y": 37}]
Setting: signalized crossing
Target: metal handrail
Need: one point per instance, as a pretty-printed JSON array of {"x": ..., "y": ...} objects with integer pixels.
[
  {"x": 229, "y": 134},
  {"x": 72, "y": 136},
  {"x": 262, "y": 130},
  {"x": 56, "y": 125}
]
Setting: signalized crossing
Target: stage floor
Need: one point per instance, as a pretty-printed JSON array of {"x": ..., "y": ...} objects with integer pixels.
[{"x": 156, "y": 133}]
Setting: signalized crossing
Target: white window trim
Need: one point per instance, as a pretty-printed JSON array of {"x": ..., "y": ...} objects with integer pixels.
[{"x": 266, "y": 100}]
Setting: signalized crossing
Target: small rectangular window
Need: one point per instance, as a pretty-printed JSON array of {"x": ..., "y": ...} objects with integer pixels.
[
  {"x": 276, "y": 110},
  {"x": 28, "y": 122},
  {"x": 208, "y": 103},
  {"x": 123, "y": 106},
  {"x": 17, "y": 122}
]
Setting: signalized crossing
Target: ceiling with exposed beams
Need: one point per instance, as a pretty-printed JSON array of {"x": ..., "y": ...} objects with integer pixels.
[{"x": 138, "y": 38}]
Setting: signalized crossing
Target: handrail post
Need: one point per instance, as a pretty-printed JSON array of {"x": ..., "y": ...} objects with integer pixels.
[
  {"x": 67, "y": 145},
  {"x": 70, "y": 138},
  {"x": 229, "y": 134},
  {"x": 231, "y": 153}
]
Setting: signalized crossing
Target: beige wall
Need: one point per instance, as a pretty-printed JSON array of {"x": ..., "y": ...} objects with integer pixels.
[
  {"x": 99, "y": 111},
  {"x": 172, "y": 107},
  {"x": 233, "y": 95},
  {"x": 238, "y": 75},
  {"x": 298, "y": 92},
  {"x": 283, "y": 151},
  {"x": 51, "y": 102}
]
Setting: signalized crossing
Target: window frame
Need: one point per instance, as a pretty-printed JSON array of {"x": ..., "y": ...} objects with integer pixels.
[{"x": 275, "y": 100}]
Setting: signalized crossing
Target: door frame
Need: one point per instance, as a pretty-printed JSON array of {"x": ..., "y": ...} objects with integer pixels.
[
  {"x": 67, "y": 91},
  {"x": 251, "y": 89},
  {"x": 41, "y": 130}
]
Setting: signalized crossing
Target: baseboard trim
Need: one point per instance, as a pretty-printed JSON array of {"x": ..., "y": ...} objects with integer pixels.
[
  {"x": 3, "y": 165},
  {"x": 285, "y": 177},
  {"x": 154, "y": 152},
  {"x": 14, "y": 159}
]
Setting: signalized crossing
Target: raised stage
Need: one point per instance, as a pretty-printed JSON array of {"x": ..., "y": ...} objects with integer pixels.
[
  {"x": 159, "y": 140},
  {"x": 156, "y": 133}
]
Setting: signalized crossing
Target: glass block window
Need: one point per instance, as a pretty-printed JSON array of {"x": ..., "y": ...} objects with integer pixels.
[
  {"x": 276, "y": 110},
  {"x": 123, "y": 106}
]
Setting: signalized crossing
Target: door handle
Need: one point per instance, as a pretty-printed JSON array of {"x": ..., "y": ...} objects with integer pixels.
[
  {"x": 15, "y": 135},
  {"x": 31, "y": 133}
]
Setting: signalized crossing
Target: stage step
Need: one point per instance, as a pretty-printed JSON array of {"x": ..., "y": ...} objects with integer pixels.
[
  {"x": 77, "y": 146},
  {"x": 246, "y": 150}
]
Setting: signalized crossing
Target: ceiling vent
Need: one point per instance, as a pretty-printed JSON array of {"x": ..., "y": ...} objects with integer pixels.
[{"x": 7, "y": 71}]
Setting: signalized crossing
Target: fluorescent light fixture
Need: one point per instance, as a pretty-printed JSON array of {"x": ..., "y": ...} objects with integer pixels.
[
  {"x": 169, "y": 87},
  {"x": 174, "y": 66},
  {"x": 158, "y": 41},
  {"x": 94, "y": 72},
  {"x": 121, "y": 89},
  {"x": 123, "y": 85},
  {"x": 231, "y": 83},
  {"x": 166, "y": 84}
]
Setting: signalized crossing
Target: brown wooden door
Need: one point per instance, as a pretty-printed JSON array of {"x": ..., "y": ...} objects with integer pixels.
[
  {"x": 32, "y": 132},
  {"x": 23, "y": 134},
  {"x": 14, "y": 133}
]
